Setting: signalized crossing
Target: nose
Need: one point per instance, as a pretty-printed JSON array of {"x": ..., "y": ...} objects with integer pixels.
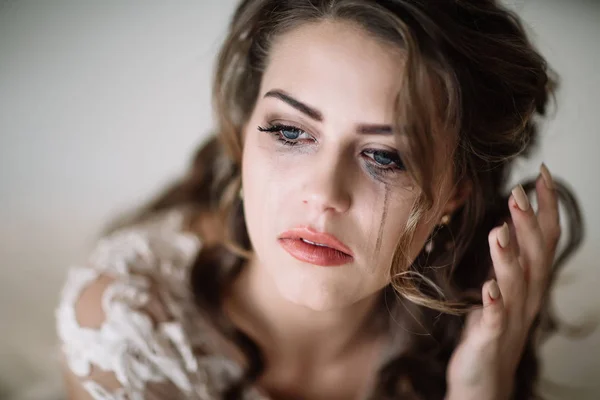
[{"x": 326, "y": 187}]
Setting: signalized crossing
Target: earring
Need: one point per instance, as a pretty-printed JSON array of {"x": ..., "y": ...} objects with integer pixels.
[
  {"x": 445, "y": 219},
  {"x": 443, "y": 222}
]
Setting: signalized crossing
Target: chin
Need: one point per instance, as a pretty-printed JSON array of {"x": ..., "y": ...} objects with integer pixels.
[{"x": 316, "y": 292}]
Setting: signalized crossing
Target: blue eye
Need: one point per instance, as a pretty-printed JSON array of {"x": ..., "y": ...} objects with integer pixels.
[
  {"x": 382, "y": 158},
  {"x": 290, "y": 134},
  {"x": 385, "y": 160},
  {"x": 287, "y": 134}
]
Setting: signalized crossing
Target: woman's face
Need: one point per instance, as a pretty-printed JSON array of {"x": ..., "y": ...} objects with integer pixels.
[{"x": 335, "y": 168}]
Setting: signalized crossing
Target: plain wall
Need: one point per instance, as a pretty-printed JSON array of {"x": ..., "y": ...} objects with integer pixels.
[{"x": 102, "y": 103}]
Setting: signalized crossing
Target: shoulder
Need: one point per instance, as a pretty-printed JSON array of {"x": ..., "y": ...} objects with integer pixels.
[
  {"x": 131, "y": 269},
  {"x": 124, "y": 316}
]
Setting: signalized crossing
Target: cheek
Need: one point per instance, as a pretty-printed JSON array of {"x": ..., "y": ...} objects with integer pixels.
[
  {"x": 388, "y": 218},
  {"x": 265, "y": 179},
  {"x": 262, "y": 182},
  {"x": 263, "y": 166}
]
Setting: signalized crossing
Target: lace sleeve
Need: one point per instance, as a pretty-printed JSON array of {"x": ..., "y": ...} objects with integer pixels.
[{"x": 120, "y": 322}]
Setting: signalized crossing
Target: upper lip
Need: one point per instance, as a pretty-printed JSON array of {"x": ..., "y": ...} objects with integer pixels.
[{"x": 308, "y": 233}]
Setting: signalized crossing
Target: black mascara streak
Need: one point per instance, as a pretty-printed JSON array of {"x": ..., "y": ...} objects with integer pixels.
[{"x": 382, "y": 222}]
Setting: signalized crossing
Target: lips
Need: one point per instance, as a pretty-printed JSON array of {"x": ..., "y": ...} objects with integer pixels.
[
  {"x": 317, "y": 238},
  {"x": 318, "y": 248}
]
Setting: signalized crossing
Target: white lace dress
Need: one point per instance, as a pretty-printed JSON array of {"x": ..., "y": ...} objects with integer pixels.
[{"x": 127, "y": 322}]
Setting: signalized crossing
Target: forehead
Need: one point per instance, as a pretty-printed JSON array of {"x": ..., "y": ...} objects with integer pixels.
[{"x": 338, "y": 68}]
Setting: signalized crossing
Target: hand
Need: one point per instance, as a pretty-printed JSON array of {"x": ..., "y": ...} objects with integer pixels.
[{"x": 484, "y": 363}]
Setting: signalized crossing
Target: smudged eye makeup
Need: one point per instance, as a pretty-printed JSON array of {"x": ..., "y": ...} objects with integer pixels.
[{"x": 378, "y": 162}]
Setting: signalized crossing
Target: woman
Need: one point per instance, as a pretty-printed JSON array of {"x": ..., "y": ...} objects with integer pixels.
[{"x": 347, "y": 233}]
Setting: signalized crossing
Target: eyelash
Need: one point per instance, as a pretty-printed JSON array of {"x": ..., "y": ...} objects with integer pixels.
[{"x": 276, "y": 130}]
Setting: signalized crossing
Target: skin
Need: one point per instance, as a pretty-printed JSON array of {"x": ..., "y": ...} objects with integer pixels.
[
  {"x": 310, "y": 318},
  {"x": 310, "y": 321}
]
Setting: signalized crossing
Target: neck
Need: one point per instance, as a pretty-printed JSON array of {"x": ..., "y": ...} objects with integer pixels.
[{"x": 288, "y": 331}]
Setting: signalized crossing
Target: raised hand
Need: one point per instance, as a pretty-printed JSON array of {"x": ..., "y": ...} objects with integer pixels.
[{"x": 484, "y": 363}]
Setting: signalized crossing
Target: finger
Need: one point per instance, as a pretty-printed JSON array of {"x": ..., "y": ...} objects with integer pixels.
[
  {"x": 528, "y": 232},
  {"x": 548, "y": 215},
  {"x": 513, "y": 237},
  {"x": 548, "y": 219},
  {"x": 513, "y": 240},
  {"x": 493, "y": 319},
  {"x": 509, "y": 273}
]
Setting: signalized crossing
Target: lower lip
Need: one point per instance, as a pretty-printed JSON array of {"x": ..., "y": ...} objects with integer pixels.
[{"x": 312, "y": 254}]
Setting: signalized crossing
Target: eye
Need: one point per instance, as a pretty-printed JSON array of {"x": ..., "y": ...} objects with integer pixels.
[
  {"x": 382, "y": 158},
  {"x": 385, "y": 160},
  {"x": 289, "y": 135}
]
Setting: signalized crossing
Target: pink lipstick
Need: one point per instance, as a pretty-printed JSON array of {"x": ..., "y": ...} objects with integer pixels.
[{"x": 318, "y": 248}]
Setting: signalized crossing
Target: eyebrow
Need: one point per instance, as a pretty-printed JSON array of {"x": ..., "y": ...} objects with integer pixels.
[{"x": 313, "y": 113}]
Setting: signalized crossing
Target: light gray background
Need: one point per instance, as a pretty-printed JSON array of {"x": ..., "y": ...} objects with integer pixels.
[{"x": 102, "y": 103}]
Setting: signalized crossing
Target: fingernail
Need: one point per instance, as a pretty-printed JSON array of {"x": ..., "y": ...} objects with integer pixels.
[
  {"x": 494, "y": 290},
  {"x": 503, "y": 236},
  {"x": 521, "y": 198},
  {"x": 548, "y": 181}
]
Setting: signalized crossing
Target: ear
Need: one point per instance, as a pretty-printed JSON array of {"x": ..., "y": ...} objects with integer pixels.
[{"x": 459, "y": 196}]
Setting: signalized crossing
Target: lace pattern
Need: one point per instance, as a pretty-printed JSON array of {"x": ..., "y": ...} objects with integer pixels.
[{"x": 146, "y": 262}]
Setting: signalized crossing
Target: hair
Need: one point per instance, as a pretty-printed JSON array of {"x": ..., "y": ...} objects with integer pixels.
[{"x": 493, "y": 86}]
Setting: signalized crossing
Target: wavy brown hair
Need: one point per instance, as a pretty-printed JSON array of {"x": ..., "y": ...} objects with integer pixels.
[{"x": 490, "y": 85}]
